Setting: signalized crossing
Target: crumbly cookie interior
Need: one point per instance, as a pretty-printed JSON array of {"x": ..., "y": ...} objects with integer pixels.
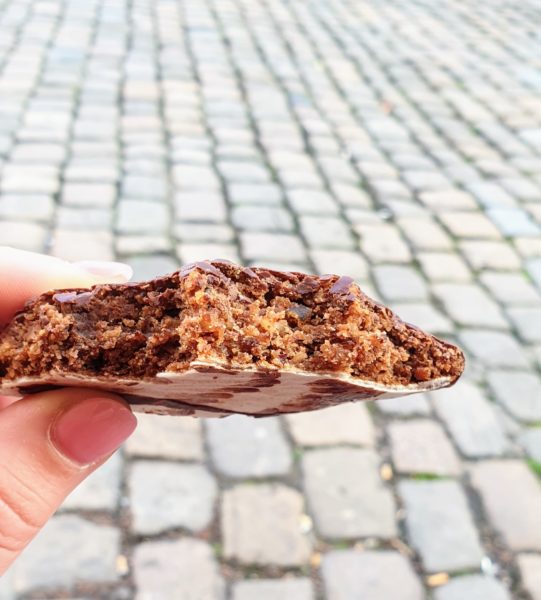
[{"x": 219, "y": 312}]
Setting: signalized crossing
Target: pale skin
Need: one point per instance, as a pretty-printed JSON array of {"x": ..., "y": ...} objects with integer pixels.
[{"x": 50, "y": 442}]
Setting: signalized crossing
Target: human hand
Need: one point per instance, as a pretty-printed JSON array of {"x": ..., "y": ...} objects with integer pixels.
[{"x": 50, "y": 442}]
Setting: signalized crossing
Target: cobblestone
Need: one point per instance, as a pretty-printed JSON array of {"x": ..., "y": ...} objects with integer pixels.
[
  {"x": 530, "y": 440},
  {"x": 346, "y": 495},
  {"x": 511, "y": 495},
  {"x": 243, "y": 447},
  {"x": 527, "y": 322},
  {"x": 142, "y": 244},
  {"x": 440, "y": 525},
  {"x": 261, "y": 524},
  {"x": 471, "y": 420},
  {"x": 513, "y": 222},
  {"x": 490, "y": 255},
  {"x": 80, "y": 245},
  {"x": 88, "y": 194},
  {"x": 425, "y": 234},
  {"x": 406, "y": 406},
  {"x": 165, "y": 496},
  {"x": 399, "y": 283},
  {"x": 270, "y": 589},
  {"x": 382, "y": 243},
  {"x": 530, "y": 570},
  {"x": 491, "y": 195},
  {"x": 443, "y": 266},
  {"x": 468, "y": 304},
  {"x": 510, "y": 288},
  {"x": 446, "y": 200},
  {"x": 262, "y": 218},
  {"x": 494, "y": 348},
  {"x": 351, "y": 574},
  {"x": 172, "y": 569},
  {"x": 167, "y": 437},
  {"x": 472, "y": 587},
  {"x": 518, "y": 392},
  {"x": 470, "y": 225},
  {"x": 260, "y": 194},
  {"x": 26, "y": 208},
  {"x": 139, "y": 216},
  {"x": 534, "y": 269},
  {"x": 421, "y": 446},
  {"x": 275, "y": 247},
  {"x": 23, "y": 235},
  {"x": 312, "y": 202},
  {"x": 326, "y": 232},
  {"x": 56, "y": 558},
  {"x": 344, "y": 424}
]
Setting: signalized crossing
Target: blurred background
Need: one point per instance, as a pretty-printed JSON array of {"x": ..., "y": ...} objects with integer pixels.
[{"x": 397, "y": 142}]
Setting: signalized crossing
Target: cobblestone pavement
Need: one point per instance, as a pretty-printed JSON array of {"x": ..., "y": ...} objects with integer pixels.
[{"x": 399, "y": 142}]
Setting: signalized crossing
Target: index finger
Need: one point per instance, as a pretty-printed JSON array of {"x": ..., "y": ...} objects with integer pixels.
[{"x": 26, "y": 274}]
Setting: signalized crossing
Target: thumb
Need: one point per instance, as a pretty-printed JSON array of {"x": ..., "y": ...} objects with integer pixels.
[{"x": 49, "y": 443}]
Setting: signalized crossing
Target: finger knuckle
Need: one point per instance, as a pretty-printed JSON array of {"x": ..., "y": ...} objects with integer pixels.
[{"x": 18, "y": 523}]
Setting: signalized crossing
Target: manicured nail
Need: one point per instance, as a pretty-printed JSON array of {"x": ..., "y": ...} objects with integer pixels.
[
  {"x": 115, "y": 272},
  {"x": 92, "y": 429}
]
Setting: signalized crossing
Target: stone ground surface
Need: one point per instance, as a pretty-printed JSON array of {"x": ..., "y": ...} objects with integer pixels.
[{"x": 397, "y": 142}]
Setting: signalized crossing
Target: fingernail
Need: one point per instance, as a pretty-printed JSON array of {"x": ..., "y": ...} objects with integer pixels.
[
  {"x": 92, "y": 429},
  {"x": 115, "y": 272}
]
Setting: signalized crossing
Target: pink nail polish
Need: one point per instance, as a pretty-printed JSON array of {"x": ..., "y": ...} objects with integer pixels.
[{"x": 92, "y": 429}]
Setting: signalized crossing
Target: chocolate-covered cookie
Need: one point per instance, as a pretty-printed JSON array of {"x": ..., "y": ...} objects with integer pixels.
[{"x": 215, "y": 338}]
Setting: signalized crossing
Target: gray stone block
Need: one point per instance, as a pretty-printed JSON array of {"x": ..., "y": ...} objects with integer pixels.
[
  {"x": 517, "y": 392},
  {"x": 472, "y": 587},
  {"x": 469, "y": 305},
  {"x": 530, "y": 440},
  {"x": 272, "y": 246},
  {"x": 344, "y": 424},
  {"x": 494, "y": 348},
  {"x": 527, "y": 322},
  {"x": 511, "y": 495},
  {"x": 399, "y": 283},
  {"x": 273, "y": 589},
  {"x": 346, "y": 495},
  {"x": 261, "y": 524},
  {"x": 205, "y": 206},
  {"x": 141, "y": 216},
  {"x": 440, "y": 525},
  {"x": 161, "y": 436},
  {"x": 530, "y": 571},
  {"x": 68, "y": 550},
  {"x": 167, "y": 495},
  {"x": 444, "y": 266},
  {"x": 242, "y": 446},
  {"x": 471, "y": 420},
  {"x": 352, "y": 574},
  {"x": 326, "y": 232},
  {"x": 262, "y": 218},
  {"x": 406, "y": 406},
  {"x": 421, "y": 446},
  {"x": 511, "y": 288},
  {"x": 26, "y": 207},
  {"x": 177, "y": 569}
]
